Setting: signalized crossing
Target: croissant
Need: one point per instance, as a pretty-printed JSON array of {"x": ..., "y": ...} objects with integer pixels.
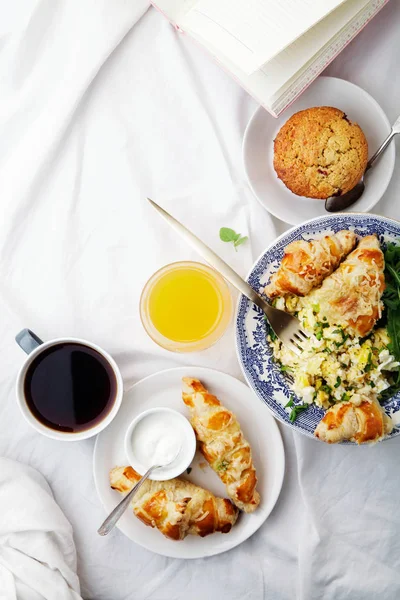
[
  {"x": 362, "y": 424},
  {"x": 222, "y": 444},
  {"x": 351, "y": 296},
  {"x": 176, "y": 507},
  {"x": 306, "y": 264}
]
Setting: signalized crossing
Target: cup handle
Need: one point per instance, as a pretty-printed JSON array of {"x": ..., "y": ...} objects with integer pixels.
[{"x": 28, "y": 340}]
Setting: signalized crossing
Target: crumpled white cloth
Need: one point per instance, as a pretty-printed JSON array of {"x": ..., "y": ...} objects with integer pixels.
[
  {"x": 95, "y": 115},
  {"x": 37, "y": 552}
]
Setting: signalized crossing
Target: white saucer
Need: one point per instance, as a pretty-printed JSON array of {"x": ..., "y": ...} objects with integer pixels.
[
  {"x": 262, "y": 129},
  {"x": 258, "y": 425}
]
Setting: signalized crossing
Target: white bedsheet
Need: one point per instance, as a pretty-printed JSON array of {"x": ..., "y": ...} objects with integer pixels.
[{"x": 95, "y": 114}]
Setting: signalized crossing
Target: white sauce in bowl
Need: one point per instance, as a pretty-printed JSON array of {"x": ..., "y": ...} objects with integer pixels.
[
  {"x": 160, "y": 436},
  {"x": 155, "y": 441}
]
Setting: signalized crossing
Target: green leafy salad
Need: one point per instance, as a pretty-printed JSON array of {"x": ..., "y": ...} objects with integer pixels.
[{"x": 391, "y": 299}]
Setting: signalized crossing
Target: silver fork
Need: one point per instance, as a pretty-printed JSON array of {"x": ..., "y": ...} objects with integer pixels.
[{"x": 285, "y": 326}]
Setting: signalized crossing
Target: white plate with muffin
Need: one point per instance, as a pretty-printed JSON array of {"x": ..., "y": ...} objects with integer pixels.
[
  {"x": 318, "y": 148},
  {"x": 232, "y": 484}
]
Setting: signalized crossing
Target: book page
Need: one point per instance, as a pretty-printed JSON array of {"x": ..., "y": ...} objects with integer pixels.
[
  {"x": 252, "y": 32},
  {"x": 281, "y": 68},
  {"x": 275, "y": 94},
  {"x": 174, "y": 10}
]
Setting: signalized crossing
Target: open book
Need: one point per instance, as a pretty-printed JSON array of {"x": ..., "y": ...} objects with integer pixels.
[{"x": 273, "y": 48}]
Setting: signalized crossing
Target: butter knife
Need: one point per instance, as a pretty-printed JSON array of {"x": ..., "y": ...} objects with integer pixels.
[{"x": 286, "y": 327}]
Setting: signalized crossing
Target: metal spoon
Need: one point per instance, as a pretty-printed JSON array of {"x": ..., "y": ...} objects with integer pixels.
[
  {"x": 337, "y": 203},
  {"x": 119, "y": 510}
]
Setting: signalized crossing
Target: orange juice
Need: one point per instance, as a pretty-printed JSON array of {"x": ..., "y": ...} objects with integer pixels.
[{"x": 186, "y": 306}]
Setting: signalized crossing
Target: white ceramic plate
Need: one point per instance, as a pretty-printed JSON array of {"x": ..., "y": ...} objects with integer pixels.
[
  {"x": 262, "y": 130},
  {"x": 259, "y": 427}
]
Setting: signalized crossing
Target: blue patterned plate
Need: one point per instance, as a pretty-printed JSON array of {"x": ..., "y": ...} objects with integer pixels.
[{"x": 254, "y": 353}]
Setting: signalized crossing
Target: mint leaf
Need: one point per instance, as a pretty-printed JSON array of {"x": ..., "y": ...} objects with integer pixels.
[
  {"x": 240, "y": 241},
  {"x": 228, "y": 235}
]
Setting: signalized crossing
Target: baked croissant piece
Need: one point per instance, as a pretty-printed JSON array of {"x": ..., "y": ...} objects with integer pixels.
[
  {"x": 362, "y": 424},
  {"x": 351, "y": 296},
  {"x": 222, "y": 444},
  {"x": 306, "y": 264},
  {"x": 176, "y": 507}
]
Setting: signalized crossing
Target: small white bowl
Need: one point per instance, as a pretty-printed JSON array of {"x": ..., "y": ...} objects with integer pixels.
[{"x": 186, "y": 454}]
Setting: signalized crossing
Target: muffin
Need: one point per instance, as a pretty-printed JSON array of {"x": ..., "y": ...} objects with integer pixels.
[{"x": 319, "y": 153}]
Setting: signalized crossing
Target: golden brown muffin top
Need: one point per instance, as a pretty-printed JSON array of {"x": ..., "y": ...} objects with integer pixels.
[{"x": 319, "y": 153}]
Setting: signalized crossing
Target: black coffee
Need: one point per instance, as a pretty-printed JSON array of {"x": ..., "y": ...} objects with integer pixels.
[{"x": 70, "y": 387}]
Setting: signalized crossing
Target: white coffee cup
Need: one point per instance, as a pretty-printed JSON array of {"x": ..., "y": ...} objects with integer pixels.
[{"x": 34, "y": 346}]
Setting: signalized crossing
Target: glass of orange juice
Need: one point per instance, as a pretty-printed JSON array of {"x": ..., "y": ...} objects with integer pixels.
[{"x": 186, "y": 306}]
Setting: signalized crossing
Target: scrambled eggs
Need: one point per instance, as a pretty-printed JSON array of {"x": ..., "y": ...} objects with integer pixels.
[{"x": 335, "y": 365}]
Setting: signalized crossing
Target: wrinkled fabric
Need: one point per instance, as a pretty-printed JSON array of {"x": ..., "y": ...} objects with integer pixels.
[
  {"x": 96, "y": 113},
  {"x": 37, "y": 552}
]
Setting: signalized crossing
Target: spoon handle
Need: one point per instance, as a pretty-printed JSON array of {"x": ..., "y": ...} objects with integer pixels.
[
  {"x": 381, "y": 148},
  {"x": 119, "y": 510}
]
